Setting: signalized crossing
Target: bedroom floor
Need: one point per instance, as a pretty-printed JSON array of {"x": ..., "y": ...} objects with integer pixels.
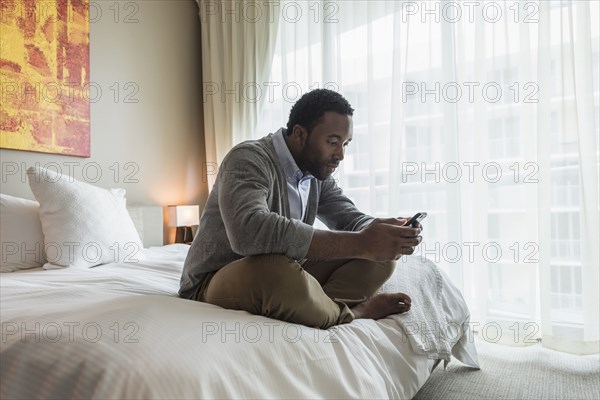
[{"x": 516, "y": 373}]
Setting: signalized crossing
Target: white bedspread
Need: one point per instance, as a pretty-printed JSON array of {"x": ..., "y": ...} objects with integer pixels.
[
  {"x": 437, "y": 322},
  {"x": 119, "y": 331}
]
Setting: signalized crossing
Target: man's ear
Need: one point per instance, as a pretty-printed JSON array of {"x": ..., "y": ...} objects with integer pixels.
[{"x": 299, "y": 134}]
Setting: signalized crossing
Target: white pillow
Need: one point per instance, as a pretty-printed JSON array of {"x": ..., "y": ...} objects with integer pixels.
[
  {"x": 83, "y": 225},
  {"x": 21, "y": 236}
]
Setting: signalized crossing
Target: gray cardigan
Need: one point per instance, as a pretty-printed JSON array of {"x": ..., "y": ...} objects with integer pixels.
[{"x": 248, "y": 213}]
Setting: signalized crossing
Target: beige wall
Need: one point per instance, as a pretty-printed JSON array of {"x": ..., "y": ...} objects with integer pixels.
[{"x": 156, "y": 142}]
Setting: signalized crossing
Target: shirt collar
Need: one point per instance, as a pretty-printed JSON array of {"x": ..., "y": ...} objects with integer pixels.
[{"x": 290, "y": 168}]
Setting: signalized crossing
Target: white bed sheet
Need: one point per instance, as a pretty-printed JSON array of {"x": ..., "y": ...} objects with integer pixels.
[{"x": 119, "y": 331}]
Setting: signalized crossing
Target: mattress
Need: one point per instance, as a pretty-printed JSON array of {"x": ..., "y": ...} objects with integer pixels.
[{"x": 120, "y": 331}]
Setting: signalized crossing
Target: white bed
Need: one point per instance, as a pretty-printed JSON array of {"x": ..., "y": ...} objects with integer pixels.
[
  {"x": 120, "y": 331},
  {"x": 97, "y": 325}
]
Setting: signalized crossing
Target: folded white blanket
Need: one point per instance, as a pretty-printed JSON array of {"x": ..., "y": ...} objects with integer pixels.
[{"x": 425, "y": 324}]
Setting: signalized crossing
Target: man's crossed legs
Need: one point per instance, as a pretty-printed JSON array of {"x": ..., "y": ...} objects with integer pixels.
[{"x": 312, "y": 293}]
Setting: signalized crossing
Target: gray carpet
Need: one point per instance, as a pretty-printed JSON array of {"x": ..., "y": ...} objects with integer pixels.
[{"x": 516, "y": 373}]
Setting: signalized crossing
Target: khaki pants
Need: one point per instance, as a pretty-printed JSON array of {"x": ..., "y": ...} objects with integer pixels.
[{"x": 315, "y": 294}]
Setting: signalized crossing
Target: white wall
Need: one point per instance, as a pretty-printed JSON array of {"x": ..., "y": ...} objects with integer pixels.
[{"x": 161, "y": 134}]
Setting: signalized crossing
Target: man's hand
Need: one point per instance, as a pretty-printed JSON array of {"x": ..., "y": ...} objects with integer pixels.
[
  {"x": 384, "y": 239},
  {"x": 387, "y": 239}
]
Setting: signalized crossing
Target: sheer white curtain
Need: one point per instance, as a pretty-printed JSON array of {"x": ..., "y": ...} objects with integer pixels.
[
  {"x": 485, "y": 115},
  {"x": 238, "y": 39}
]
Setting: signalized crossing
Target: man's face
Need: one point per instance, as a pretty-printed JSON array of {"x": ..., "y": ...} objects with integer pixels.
[{"x": 324, "y": 147}]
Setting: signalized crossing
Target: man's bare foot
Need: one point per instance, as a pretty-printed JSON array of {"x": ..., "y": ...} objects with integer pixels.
[{"x": 382, "y": 305}]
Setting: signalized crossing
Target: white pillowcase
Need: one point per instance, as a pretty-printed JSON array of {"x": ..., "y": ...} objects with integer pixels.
[
  {"x": 21, "y": 236},
  {"x": 83, "y": 225}
]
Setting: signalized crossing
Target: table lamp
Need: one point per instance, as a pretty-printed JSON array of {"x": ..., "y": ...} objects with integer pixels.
[{"x": 182, "y": 218}]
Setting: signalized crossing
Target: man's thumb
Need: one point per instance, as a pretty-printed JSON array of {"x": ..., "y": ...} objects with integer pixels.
[{"x": 395, "y": 221}]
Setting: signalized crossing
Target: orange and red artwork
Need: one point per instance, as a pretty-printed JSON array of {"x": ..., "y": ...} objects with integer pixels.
[{"x": 45, "y": 76}]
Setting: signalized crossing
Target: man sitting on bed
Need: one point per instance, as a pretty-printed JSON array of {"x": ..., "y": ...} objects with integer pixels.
[{"x": 256, "y": 249}]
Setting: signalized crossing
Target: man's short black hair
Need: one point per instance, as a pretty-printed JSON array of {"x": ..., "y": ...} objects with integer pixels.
[{"x": 311, "y": 107}]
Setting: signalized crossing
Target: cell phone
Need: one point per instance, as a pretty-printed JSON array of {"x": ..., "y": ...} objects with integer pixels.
[{"x": 418, "y": 217}]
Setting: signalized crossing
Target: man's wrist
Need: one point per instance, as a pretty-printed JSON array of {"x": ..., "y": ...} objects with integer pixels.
[
  {"x": 353, "y": 244},
  {"x": 330, "y": 245}
]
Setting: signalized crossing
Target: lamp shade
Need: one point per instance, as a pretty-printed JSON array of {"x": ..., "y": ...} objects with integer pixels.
[{"x": 184, "y": 215}]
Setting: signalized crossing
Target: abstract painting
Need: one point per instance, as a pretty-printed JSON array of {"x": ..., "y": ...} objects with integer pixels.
[{"x": 45, "y": 76}]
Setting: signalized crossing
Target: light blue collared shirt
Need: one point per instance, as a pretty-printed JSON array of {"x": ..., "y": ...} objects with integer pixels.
[{"x": 298, "y": 185}]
